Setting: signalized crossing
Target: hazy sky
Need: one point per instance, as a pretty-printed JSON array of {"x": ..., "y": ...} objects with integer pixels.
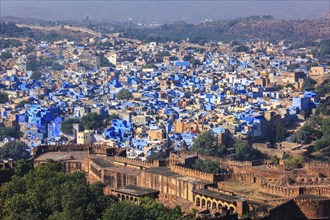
[{"x": 163, "y": 10}]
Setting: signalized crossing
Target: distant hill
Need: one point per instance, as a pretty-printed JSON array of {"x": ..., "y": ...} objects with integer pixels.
[
  {"x": 243, "y": 29},
  {"x": 256, "y": 27}
]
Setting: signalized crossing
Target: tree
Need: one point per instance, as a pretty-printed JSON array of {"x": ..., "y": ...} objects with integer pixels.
[
  {"x": 207, "y": 166},
  {"x": 124, "y": 94},
  {"x": 56, "y": 66},
  {"x": 32, "y": 64},
  {"x": 309, "y": 84},
  {"x": 15, "y": 150},
  {"x": 12, "y": 132},
  {"x": 206, "y": 144},
  {"x": 294, "y": 162},
  {"x": 110, "y": 118},
  {"x": 160, "y": 155},
  {"x": 104, "y": 62},
  {"x": 5, "y": 175},
  {"x": 67, "y": 125},
  {"x": 281, "y": 132},
  {"x": 306, "y": 113},
  {"x": 5, "y": 55},
  {"x": 47, "y": 193},
  {"x": 22, "y": 167},
  {"x": 36, "y": 75},
  {"x": 324, "y": 88},
  {"x": 244, "y": 151},
  {"x": 153, "y": 209},
  {"x": 306, "y": 134},
  {"x": 3, "y": 97},
  {"x": 123, "y": 211},
  {"x": 92, "y": 121}
]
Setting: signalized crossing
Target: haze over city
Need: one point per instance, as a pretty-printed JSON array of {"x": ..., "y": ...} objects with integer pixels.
[{"x": 152, "y": 10}]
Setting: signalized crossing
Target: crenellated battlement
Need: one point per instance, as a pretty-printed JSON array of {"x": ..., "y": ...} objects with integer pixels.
[
  {"x": 317, "y": 164},
  {"x": 132, "y": 162},
  {"x": 279, "y": 190},
  {"x": 194, "y": 173}
]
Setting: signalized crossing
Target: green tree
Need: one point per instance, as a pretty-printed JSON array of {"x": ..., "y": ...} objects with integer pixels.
[
  {"x": 110, "y": 118},
  {"x": 3, "y": 97},
  {"x": 22, "y": 167},
  {"x": 46, "y": 192},
  {"x": 281, "y": 132},
  {"x": 104, "y": 62},
  {"x": 324, "y": 88},
  {"x": 15, "y": 150},
  {"x": 306, "y": 134},
  {"x": 309, "y": 84},
  {"x": 57, "y": 67},
  {"x": 160, "y": 155},
  {"x": 124, "y": 94},
  {"x": 206, "y": 144},
  {"x": 36, "y": 75},
  {"x": 244, "y": 151},
  {"x": 6, "y": 132},
  {"x": 123, "y": 211},
  {"x": 32, "y": 64},
  {"x": 294, "y": 162},
  {"x": 5, "y": 55},
  {"x": 67, "y": 125},
  {"x": 207, "y": 166},
  {"x": 92, "y": 121},
  {"x": 153, "y": 209},
  {"x": 5, "y": 175}
]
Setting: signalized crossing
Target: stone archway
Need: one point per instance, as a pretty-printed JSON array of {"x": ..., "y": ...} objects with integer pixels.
[
  {"x": 198, "y": 202},
  {"x": 214, "y": 205},
  {"x": 203, "y": 203},
  {"x": 208, "y": 206},
  {"x": 219, "y": 206},
  {"x": 231, "y": 210}
]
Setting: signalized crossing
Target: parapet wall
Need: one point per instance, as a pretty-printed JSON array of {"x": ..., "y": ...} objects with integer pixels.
[
  {"x": 194, "y": 173},
  {"x": 278, "y": 190},
  {"x": 246, "y": 177},
  {"x": 133, "y": 162},
  {"x": 317, "y": 164},
  {"x": 314, "y": 208},
  {"x": 315, "y": 190}
]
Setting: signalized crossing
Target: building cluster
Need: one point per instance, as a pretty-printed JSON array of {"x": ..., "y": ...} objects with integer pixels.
[
  {"x": 177, "y": 91},
  {"x": 174, "y": 91}
]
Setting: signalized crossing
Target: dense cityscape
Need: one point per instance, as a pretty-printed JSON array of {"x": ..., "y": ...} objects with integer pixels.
[{"x": 103, "y": 126}]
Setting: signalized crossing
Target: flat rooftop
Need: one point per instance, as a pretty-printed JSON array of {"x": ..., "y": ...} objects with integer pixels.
[
  {"x": 101, "y": 162},
  {"x": 135, "y": 190},
  {"x": 166, "y": 171},
  {"x": 63, "y": 155},
  {"x": 106, "y": 164}
]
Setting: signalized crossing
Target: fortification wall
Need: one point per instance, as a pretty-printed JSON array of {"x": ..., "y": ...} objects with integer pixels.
[
  {"x": 116, "y": 179},
  {"x": 249, "y": 178},
  {"x": 170, "y": 185},
  {"x": 278, "y": 190},
  {"x": 314, "y": 208},
  {"x": 128, "y": 161},
  {"x": 194, "y": 173},
  {"x": 315, "y": 190}
]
